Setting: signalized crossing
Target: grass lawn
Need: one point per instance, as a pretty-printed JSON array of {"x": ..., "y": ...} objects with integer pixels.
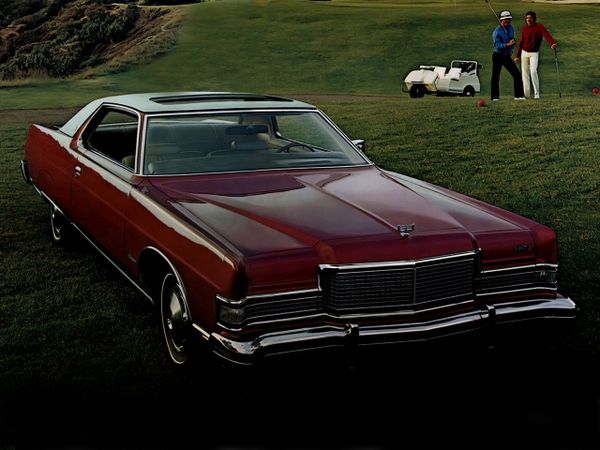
[
  {"x": 360, "y": 47},
  {"x": 74, "y": 334}
]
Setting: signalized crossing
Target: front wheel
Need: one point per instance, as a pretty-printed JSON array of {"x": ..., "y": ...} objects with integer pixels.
[
  {"x": 175, "y": 319},
  {"x": 417, "y": 91}
]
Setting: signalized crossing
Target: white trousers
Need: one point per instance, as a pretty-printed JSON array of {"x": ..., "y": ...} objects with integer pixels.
[{"x": 529, "y": 67}]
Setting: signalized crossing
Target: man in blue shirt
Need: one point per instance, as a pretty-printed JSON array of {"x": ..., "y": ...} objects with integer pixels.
[{"x": 504, "y": 41}]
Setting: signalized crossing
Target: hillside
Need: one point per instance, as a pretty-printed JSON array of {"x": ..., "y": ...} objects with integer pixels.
[{"x": 61, "y": 38}]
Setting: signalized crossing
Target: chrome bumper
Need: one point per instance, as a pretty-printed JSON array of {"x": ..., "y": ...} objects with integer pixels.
[
  {"x": 351, "y": 335},
  {"x": 25, "y": 172}
]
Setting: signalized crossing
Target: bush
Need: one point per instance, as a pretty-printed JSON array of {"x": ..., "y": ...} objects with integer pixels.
[
  {"x": 45, "y": 48},
  {"x": 170, "y": 2}
]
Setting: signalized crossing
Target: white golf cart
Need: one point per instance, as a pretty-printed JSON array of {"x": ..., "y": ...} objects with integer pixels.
[{"x": 461, "y": 78}]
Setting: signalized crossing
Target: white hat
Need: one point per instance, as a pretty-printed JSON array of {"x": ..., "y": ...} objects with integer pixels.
[{"x": 505, "y": 15}]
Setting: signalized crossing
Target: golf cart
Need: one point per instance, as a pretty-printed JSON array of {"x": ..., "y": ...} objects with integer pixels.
[{"x": 462, "y": 78}]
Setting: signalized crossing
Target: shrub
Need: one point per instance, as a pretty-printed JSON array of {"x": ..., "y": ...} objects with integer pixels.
[{"x": 45, "y": 48}]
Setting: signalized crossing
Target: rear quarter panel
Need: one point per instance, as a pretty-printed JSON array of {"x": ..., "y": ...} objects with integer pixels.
[{"x": 51, "y": 163}]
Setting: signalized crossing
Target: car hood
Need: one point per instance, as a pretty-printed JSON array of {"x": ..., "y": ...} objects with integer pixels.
[{"x": 347, "y": 215}]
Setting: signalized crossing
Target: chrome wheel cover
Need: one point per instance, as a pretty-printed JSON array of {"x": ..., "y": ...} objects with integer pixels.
[
  {"x": 175, "y": 319},
  {"x": 57, "y": 224}
]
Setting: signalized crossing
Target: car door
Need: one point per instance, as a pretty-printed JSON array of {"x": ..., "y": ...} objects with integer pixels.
[{"x": 104, "y": 175}]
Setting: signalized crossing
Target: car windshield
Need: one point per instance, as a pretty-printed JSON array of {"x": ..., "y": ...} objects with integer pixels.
[{"x": 202, "y": 143}]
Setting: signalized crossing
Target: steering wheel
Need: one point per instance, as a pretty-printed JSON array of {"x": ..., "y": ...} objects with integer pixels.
[{"x": 286, "y": 148}]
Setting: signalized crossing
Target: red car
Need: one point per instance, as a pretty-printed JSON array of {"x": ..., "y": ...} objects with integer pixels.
[{"x": 255, "y": 224}]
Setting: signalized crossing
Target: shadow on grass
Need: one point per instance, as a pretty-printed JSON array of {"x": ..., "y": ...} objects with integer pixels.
[{"x": 487, "y": 398}]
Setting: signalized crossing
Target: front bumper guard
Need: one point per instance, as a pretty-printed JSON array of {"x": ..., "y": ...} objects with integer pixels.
[{"x": 487, "y": 319}]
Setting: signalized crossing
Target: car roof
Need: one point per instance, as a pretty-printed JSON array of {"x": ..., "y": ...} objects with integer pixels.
[{"x": 168, "y": 102}]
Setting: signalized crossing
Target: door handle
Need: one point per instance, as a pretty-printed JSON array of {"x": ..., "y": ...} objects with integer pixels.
[{"x": 77, "y": 171}]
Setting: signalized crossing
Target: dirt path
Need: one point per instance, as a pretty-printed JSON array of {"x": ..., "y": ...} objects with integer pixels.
[
  {"x": 59, "y": 116},
  {"x": 574, "y": 2}
]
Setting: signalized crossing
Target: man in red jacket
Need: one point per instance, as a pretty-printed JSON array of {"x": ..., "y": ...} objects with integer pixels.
[{"x": 528, "y": 52}]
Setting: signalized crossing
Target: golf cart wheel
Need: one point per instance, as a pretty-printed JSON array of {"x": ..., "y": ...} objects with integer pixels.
[
  {"x": 417, "y": 91},
  {"x": 469, "y": 91}
]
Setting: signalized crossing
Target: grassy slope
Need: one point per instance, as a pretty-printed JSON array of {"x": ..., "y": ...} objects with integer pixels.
[
  {"x": 67, "y": 319},
  {"x": 333, "y": 47}
]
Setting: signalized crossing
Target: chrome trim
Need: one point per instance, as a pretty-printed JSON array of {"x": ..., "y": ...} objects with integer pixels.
[
  {"x": 258, "y": 321},
  {"x": 276, "y": 300},
  {"x": 525, "y": 267},
  {"x": 117, "y": 266},
  {"x": 341, "y": 132},
  {"x": 212, "y": 112},
  {"x": 244, "y": 349},
  {"x": 39, "y": 192},
  {"x": 561, "y": 307},
  {"x": 175, "y": 272},
  {"x": 284, "y": 169},
  {"x": 25, "y": 171},
  {"x": 275, "y": 295},
  {"x": 87, "y": 125},
  {"x": 530, "y": 286},
  {"x": 328, "y": 316},
  {"x": 205, "y": 334},
  {"x": 367, "y": 161},
  {"x": 87, "y": 238},
  {"x": 270, "y": 321},
  {"x": 216, "y": 97},
  {"x": 110, "y": 260},
  {"x": 403, "y": 263},
  {"x": 311, "y": 338},
  {"x": 406, "y": 312},
  {"x": 359, "y": 144},
  {"x": 317, "y": 294},
  {"x": 512, "y": 291}
]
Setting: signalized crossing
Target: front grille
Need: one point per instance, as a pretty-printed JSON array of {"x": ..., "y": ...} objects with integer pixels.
[
  {"x": 392, "y": 287},
  {"x": 398, "y": 286},
  {"x": 360, "y": 290}
]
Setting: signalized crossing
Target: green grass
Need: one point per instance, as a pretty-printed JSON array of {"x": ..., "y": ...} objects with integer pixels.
[
  {"x": 301, "y": 46},
  {"x": 74, "y": 309},
  {"x": 69, "y": 321},
  {"x": 525, "y": 157}
]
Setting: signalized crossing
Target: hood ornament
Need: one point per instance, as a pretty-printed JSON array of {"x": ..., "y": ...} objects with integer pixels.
[{"x": 405, "y": 230}]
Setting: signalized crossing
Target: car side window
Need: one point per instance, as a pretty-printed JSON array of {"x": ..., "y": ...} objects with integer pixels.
[{"x": 113, "y": 133}]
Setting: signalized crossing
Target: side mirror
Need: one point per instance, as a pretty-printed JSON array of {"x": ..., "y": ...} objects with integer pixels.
[{"x": 360, "y": 143}]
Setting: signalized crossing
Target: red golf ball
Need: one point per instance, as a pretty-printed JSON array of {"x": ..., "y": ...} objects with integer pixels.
[{"x": 595, "y": 90}]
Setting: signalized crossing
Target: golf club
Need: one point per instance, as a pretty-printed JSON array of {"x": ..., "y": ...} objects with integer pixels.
[
  {"x": 557, "y": 71},
  {"x": 494, "y": 12}
]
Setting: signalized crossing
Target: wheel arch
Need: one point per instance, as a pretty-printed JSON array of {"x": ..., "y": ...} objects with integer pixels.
[
  {"x": 153, "y": 266},
  {"x": 156, "y": 273}
]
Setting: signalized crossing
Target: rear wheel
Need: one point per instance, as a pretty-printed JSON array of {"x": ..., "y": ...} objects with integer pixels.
[
  {"x": 175, "y": 319},
  {"x": 59, "y": 225},
  {"x": 417, "y": 91},
  {"x": 469, "y": 91}
]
